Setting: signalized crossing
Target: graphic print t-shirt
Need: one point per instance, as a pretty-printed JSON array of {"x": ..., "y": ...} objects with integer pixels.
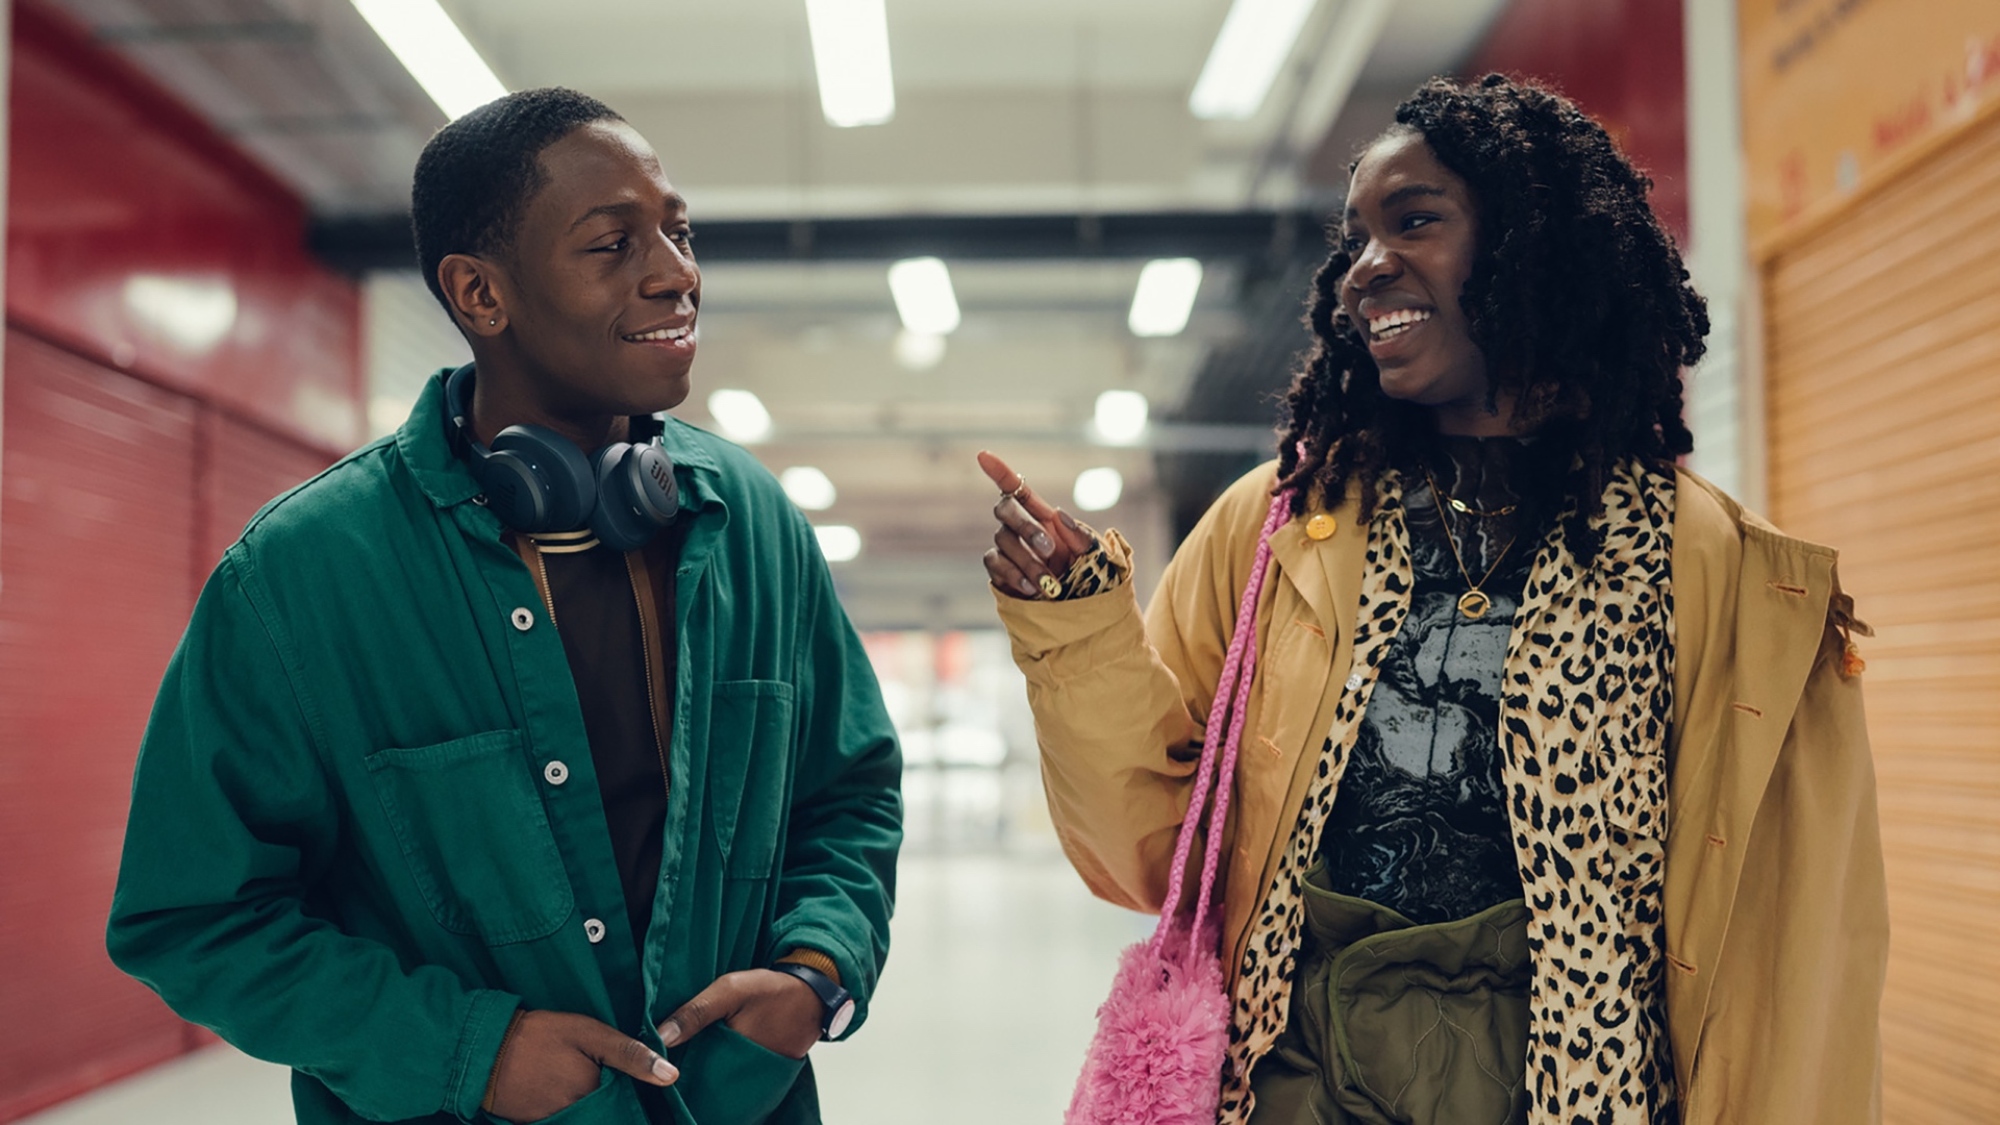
[{"x": 1420, "y": 821}]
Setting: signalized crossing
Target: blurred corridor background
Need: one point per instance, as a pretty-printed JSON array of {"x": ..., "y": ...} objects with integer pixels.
[{"x": 1077, "y": 233}]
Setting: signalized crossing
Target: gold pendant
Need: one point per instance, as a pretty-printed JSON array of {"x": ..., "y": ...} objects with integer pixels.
[{"x": 1474, "y": 604}]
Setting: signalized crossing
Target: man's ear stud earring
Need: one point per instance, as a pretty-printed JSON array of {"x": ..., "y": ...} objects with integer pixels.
[{"x": 495, "y": 322}]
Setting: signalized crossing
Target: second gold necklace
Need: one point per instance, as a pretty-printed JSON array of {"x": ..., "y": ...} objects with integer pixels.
[{"x": 1474, "y": 602}]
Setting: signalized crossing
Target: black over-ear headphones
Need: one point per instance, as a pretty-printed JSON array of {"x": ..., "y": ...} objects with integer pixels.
[{"x": 538, "y": 480}]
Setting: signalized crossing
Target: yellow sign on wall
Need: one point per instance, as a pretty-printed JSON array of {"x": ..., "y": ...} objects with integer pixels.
[{"x": 1835, "y": 90}]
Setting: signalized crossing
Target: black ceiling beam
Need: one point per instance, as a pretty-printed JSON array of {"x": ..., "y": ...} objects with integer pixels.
[{"x": 383, "y": 241}]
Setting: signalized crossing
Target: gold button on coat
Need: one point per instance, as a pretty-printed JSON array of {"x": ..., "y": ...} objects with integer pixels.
[{"x": 1321, "y": 525}]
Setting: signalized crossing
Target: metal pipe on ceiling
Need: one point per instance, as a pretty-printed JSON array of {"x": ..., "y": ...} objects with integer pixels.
[{"x": 372, "y": 242}]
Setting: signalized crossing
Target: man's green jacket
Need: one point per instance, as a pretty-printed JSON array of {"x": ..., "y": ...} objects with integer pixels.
[{"x": 365, "y": 826}]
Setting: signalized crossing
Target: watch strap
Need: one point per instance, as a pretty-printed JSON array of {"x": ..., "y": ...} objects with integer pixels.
[{"x": 832, "y": 997}]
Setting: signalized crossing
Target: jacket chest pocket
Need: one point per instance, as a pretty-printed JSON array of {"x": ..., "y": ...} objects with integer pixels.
[
  {"x": 1629, "y": 754},
  {"x": 1622, "y": 852},
  {"x": 749, "y": 767},
  {"x": 1633, "y": 801},
  {"x": 1291, "y": 678},
  {"x": 475, "y": 836},
  {"x": 1634, "y": 791}
]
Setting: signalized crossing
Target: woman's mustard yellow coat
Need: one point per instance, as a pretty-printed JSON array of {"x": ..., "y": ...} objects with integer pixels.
[{"x": 1776, "y": 911}]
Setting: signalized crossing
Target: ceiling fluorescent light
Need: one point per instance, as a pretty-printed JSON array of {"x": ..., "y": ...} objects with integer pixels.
[
  {"x": 808, "y": 487},
  {"x": 1351, "y": 39},
  {"x": 838, "y": 542},
  {"x": 740, "y": 415},
  {"x": 922, "y": 288},
  {"x": 1098, "y": 489},
  {"x": 1255, "y": 40},
  {"x": 435, "y": 52},
  {"x": 918, "y": 351},
  {"x": 1165, "y": 296},
  {"x": 1121, "y": 416},
  {"x": 850, "y": 41}
]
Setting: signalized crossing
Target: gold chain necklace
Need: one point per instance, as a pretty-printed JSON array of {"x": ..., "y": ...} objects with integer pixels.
[
  {"x": 1474, "y": 602},
  {"x": 1458, "y": 505}
]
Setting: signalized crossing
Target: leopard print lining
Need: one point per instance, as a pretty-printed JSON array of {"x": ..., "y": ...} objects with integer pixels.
[
  {"x": 1264, "y": 983},
  {"x": 1106, "y": 566},
  {"x": 1587, "y": 693}
]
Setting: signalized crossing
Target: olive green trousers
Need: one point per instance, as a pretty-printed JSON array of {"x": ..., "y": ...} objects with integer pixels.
[{"x": 1393, "y": 1023}]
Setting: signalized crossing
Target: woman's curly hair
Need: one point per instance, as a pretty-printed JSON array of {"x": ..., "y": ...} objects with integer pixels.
[{"x": 1577, "y": 299}]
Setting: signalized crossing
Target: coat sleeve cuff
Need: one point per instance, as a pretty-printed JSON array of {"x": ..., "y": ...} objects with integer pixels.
[
  {"x": 478, "y": 1047},
  {"x": 1108, "y": 564},
  {"x": 1040, "y": 628},
  {"x": 849, "y": 972}
]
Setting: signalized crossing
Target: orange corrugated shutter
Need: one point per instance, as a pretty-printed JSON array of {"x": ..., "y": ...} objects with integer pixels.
[{"x": 1883, "y": 330}]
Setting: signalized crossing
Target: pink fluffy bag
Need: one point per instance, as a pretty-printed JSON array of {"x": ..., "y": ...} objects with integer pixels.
[{"x": 1157, "y": 1056}]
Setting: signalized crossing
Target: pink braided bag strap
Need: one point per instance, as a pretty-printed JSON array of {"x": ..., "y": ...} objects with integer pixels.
[
  {"x": 1163, "y": 1033},
  {"x": 1226, "y": 717}
]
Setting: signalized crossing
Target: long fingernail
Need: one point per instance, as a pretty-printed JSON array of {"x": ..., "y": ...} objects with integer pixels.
[
  {"x": 664, "y": 1070},
  {"x": 1042, "y": 546},
  {"x": 1067, "y": 520},
  {"x": 1025, "y": 586},
  {"x": 670, "y": 1033}
]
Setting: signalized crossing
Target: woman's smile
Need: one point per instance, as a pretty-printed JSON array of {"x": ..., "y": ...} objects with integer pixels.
[{"x": 1392, "y": 335}]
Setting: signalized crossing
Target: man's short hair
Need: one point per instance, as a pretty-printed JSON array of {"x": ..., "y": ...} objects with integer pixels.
[{"x": 478, "y": 173}]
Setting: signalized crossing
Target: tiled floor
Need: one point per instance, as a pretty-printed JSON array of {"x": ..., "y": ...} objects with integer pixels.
[
  {"x": 997, "y": 965},
  {"x": 217, "y": 1085},
  {"x": 994, "y": 978}
]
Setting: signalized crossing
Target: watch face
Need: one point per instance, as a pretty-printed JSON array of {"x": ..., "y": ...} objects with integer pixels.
[{"x": 840, "y": 1020}]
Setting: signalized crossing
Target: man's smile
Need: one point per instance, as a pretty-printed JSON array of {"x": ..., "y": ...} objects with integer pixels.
[{"x": 679, "y": 337}]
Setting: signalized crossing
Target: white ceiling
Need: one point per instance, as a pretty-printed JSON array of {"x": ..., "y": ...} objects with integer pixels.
[{"x": 1031, "y": 106}]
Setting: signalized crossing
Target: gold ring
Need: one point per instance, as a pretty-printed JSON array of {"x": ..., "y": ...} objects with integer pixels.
[
  {"x": 1016, "y": 494},
  {"x": 1051, "y": 587}
]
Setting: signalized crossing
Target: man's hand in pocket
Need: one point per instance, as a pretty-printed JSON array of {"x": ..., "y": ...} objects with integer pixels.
[
  {"x": 777, "y": 1011},
  {"x": 551, "y": 1060}
]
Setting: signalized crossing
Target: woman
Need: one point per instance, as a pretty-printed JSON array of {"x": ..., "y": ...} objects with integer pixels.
[{"x": 1559, "y": 742}]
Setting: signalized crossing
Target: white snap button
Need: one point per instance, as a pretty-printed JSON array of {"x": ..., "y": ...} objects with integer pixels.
[
  {"x": 594, "y": 930},
  {"x": 1354, "y": 682},
  {"x": 523, "y": 620},
  {"x": 555, "y": 773}
]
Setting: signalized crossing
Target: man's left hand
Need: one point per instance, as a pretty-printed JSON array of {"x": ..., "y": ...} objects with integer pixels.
[{"x": 777, "y": 1011}]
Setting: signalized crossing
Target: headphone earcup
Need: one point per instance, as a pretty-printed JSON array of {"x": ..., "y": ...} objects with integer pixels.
[
  {"x": 513, "y": 491},
  {"x": 536, "y": 480},
  {"x": 636, "y": 495}
]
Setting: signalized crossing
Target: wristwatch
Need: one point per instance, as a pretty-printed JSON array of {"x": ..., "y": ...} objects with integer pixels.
[{"x": 837, "y": 1004}]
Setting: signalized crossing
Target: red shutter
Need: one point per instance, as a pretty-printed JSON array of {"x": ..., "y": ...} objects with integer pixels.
[
  {"x": 93, "y": 596},
  {"x": 241, "y": 468}
]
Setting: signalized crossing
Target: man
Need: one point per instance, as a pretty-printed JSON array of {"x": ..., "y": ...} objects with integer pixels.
[{"x": 492, "y": 779}]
